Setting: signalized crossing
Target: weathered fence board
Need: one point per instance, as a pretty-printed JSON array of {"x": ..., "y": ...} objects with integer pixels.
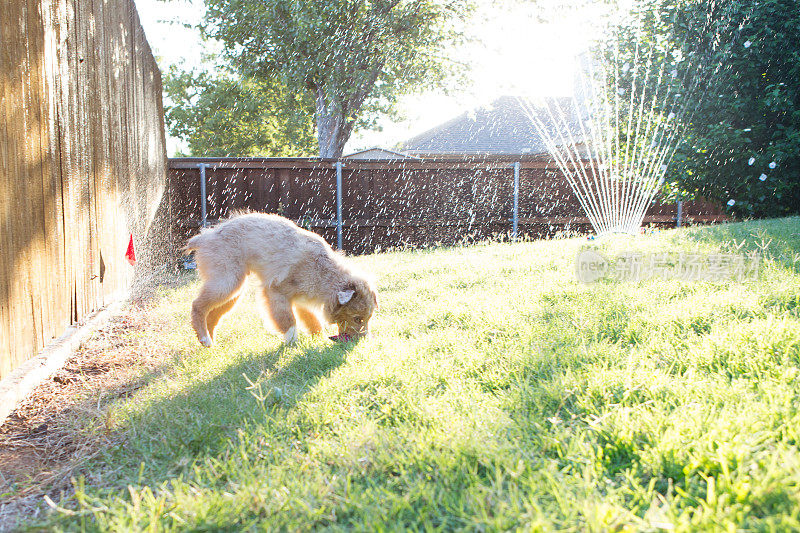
[
  {"x": 82, "y": 162},
  {"x": 389, "y": 203}
]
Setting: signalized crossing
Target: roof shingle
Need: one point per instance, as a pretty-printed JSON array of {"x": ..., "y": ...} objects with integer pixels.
[{"x": 505, "y": 127}]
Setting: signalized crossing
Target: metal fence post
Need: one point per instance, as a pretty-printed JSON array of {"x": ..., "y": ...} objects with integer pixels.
[
  {"x": 679, "y": 215},
  {"x": 515, "y": 222},
  {"x": 203, "y": 199},
  {"x": 339, "y": 205}
]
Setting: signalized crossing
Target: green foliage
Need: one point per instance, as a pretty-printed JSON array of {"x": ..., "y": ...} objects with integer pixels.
[
  {"x": 228, "y": 115},
  {"x": 744, "y": 59},
  {"x": 752, "y": 109},
  {"x": 353, "y": 57},
  {"x": 496, "y": 393}
]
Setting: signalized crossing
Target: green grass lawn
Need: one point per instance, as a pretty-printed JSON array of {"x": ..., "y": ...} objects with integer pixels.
[{"x": 496, "y": 393}]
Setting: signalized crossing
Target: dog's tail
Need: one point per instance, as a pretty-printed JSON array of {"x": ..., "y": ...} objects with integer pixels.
[{"x": 193, "y": 244}]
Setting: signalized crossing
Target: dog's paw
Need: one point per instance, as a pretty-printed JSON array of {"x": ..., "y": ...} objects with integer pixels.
[
  {"x": 206, "y": 341},
  {"x": 290, "y": 337}
]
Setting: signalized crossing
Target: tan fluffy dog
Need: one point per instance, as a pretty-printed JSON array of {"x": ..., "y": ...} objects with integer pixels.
[{"x": 299, "y": 273}]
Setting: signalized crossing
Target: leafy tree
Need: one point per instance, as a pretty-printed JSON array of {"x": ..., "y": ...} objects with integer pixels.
[
  {"x": 750, "y": 117},
  {"x": 227, "y": 115},
  {"x": 742, "y": 142},
  {"x": 352, "y": 57}
]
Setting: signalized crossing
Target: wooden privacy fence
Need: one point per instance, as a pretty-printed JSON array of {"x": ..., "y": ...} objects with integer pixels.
[
  {"x": 366, "y": 205},
  {"x": 82, "y": 162}
]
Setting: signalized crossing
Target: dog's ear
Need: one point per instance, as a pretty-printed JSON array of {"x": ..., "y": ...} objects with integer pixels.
[{"x": 345, "y": 296}]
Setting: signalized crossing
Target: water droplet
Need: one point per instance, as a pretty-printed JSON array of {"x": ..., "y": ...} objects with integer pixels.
[
  {"x": 748, "y": 129},
  {"x": 773, "y": 164},
  {"x": 674, "y": 73},
  {"x": 620, "y": 91},
  {"x": 751, "y": 161},
  {"x": 670, "y": 116},
  {"x": 626, "y": 67},
  {"x": 747, "y": 44},
  {"x": 731, "y": 202},
  {"x": 762, "y": 177}
]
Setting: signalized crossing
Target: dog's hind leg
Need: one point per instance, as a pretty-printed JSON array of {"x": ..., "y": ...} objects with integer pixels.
[
  {"x": 308, "y": 319},
  {"x": 214, "y": 293},
  {"x": 280, "y": 311},
  {"x": 217, "y": 313}
]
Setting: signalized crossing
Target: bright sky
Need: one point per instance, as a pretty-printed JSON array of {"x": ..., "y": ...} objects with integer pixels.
[{"x": 515, "y": 54}]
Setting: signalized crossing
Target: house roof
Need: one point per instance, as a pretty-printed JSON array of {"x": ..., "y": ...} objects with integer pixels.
[
  {"x": 504, "y": 127},
  {"x": 378, "y": 153}
]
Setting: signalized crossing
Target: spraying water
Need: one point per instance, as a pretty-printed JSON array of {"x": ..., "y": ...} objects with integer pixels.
[{"x": 635, "y": 95}]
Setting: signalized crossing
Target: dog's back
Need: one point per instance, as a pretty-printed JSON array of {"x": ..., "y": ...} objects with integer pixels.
[{"x": 266, "y": 244}]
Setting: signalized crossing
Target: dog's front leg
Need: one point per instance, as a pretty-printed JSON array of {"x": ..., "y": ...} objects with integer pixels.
[{"x": 280, "y": 311}]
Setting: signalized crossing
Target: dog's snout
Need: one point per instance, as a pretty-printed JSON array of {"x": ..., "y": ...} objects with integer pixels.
[{"x": 353, "y": 328}]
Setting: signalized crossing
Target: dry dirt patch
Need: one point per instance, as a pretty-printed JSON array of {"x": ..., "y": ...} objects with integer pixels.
[{"x": 64, "y": 421}]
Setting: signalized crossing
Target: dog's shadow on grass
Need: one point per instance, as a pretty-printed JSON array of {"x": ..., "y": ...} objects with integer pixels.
[{"x": 202, "y": 418}]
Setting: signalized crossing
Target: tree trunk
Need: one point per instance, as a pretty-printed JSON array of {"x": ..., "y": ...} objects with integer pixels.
[{"x": 333, "y": 128}]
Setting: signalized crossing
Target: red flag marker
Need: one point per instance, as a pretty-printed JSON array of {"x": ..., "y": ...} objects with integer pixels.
[{"x": 130, "y": 255}]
